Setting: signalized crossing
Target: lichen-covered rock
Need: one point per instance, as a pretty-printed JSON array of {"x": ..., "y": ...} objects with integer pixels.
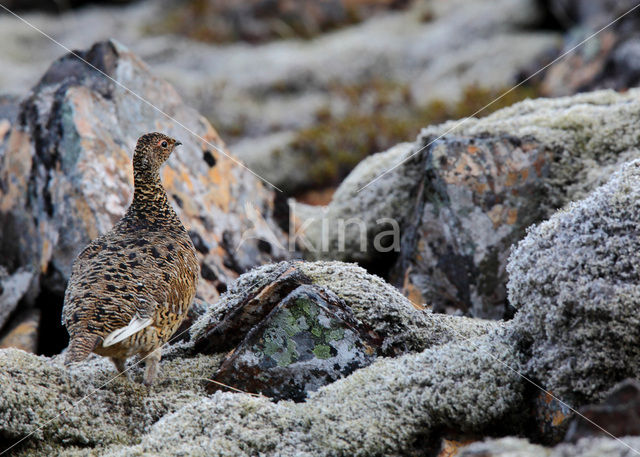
[
  {"x": 460, "y": 203},
  {"x": 81, "y": 405},
  {"x": 477, "y": 197},
  {"x": 310, "y": 323},
  {"x": 66, "y": 172},
  {"x": 392, "y": 407},
  {"x": 575, "y": 281},
  {"x": 308, "y": 340},
  {"x": 591, "y": 134},
  {"x": 376, "y": 305}
]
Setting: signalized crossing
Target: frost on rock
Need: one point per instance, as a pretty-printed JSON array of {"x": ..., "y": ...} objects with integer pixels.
[
  {"x": 391, "y": 407},
  {"x": 576, "y": 281}
]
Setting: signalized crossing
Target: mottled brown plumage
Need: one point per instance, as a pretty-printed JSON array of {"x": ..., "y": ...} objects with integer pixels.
[{"x": 131, "y": 288}]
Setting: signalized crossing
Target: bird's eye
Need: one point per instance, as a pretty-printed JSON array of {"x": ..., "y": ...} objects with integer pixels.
[{"x": 164, "y": 144}]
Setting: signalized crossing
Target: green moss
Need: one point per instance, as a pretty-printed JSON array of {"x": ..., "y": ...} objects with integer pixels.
[{"x": 322, "y": 351}]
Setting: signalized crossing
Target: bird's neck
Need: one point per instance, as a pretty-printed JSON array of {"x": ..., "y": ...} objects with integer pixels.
[{"x": 150, "y": 200}]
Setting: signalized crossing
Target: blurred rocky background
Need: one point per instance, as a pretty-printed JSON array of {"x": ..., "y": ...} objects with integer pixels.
[{"x": 456, "y": 125}]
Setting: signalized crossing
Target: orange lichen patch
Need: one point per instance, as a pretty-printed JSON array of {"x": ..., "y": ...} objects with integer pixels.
[
  {"x": 539, "y": 164},
  {"x": 450, "y": 448},
  {"x": 168, "y": 177},
  {"x": 184, "y": 176},
  {"x": 187, "y": 204},
  {"x": 512, "y": 216},
  {"x": 46, "y": 255},
  {"x": 512, "y": 179},
  {"x": 412, "y": 292},
  {"x": 480, "y": 187},
  {"x": 559, "y": 418},
  {"x": 84, "y": 213},
  {"x": 16, "y": 167},
  {"x": 467, "y": 167},
  {"x": 24, "y": 336},
  {"x": 472, "y": 149},
  {"x": 5, "y": 125},
  {"x": 495, "y": 214},
  {"x": 524, "y": 174},
  {"x": 219, "y": 196}
]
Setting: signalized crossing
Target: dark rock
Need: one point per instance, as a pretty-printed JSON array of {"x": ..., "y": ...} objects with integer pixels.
[
  {"x": 618, "y": 414},
  {"x": 608, "y": 60},
  {"x": 477, "y": 196},
  {"x": 66, "y": 171},
  {"x": 551, "y": 417},
  {"x": 308, "y": 340}
]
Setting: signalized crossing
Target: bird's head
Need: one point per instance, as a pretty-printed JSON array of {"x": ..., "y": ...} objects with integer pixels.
[{"x": 152, "y": 150}]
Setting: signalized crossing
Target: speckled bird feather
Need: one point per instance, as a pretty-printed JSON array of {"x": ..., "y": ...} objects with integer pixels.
[{"x": 145, "y": 267}]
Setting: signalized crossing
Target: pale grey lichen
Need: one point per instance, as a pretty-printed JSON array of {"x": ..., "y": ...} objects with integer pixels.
[
  {"x": 80, "y": 406},
  {"x": 576, "y": 281},
  {"x": 384, "y": 409},
  {"x": 381, "y": 306},
  {"x": 587, "y": 447},
  {"x": 374, "y": 302}
]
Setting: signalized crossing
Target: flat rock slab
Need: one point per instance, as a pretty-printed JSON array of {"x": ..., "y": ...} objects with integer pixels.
[{"x": 308, "y": 340}]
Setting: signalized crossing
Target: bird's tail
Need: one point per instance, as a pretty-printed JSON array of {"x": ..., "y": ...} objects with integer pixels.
[{"x": 80, "y": 347}]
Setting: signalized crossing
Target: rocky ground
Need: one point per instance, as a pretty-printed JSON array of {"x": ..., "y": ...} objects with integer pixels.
[{"x": 496, "y": 293}]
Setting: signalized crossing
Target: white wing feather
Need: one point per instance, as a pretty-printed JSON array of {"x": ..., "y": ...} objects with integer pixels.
[{"x": 137, "y": 323}]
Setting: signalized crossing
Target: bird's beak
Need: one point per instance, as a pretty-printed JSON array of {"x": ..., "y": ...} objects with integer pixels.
[{"x": 177, "y": 143}]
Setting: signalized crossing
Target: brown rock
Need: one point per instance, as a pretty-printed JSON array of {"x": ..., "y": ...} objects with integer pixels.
[
  {"x": 618, "y": 414},
  {"x": 24, "y": 334},
  {"x": 66, "y": 177}
]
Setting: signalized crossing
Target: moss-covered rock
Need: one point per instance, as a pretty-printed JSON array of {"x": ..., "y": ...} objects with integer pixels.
[
  {"x": 466, "y": 190},
  {"x": 575, "y": 280},
  {"x": 308, "y": 340},
  {"x": 376, "y": 305},
  {"x": 84, "y": 405},
  {"x": 393, "y": 407}
]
